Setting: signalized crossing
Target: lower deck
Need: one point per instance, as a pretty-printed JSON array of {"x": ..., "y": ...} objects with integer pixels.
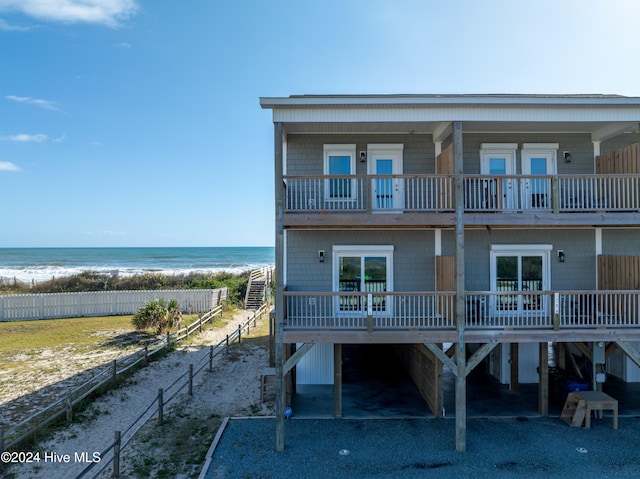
[{"x": 383, "y": 389}]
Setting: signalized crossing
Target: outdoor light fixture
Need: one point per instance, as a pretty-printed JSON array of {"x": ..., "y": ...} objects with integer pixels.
[
  {"x": 567, "y": 156},
  {"x": 321, "y": 255},
  {"x": 561, "y": 256},
  {"x": 363, "y": 156}
]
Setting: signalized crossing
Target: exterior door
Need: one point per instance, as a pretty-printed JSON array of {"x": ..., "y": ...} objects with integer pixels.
[
  {"x": 502, "y": 194},
  {"x": 387, "y": 191},
  {"x": 519, "y": 269},
  {"x": 365, "y": 270},
  {"x": 536, "y": 192}
]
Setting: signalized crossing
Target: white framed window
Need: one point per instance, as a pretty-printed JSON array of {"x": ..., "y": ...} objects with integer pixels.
[
  {"x": 363, "y": 269},
  {"x": 340, "y": 160},
  {"x": 520, "y": 268}
]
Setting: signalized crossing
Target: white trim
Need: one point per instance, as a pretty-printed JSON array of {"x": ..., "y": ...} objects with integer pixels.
[
  {"x": 499, "y": 146},
  {"x": 364, "y": 248},
  {"x": 540, "y": 146},
  {"x": 284, "y": 153},
  {"x": 284, "y": 257},
  {"x": 543, "y": 250},
  {"x": 349, "y": 150},
  {"x": 384, "y": 147},
  {"x": 521, "y": 247},
  {"x": 361, "y": 250},
  {"x": 437, "y": 239}
]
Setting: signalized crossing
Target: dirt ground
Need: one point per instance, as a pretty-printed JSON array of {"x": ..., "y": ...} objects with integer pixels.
[{"x": 231, "y": 389}]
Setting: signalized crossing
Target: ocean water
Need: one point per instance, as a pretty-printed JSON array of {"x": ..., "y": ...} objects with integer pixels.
[{"x": 42, "y": 264}]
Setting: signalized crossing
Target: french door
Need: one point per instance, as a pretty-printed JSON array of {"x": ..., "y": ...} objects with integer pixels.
[
  {"x": 363, "y": 269},
  {"x": 387, "y": 192},
  {"x": 538, "y": 161},
  {"x": 499, "y": 160},
  {"x": 523, "y": 269}
]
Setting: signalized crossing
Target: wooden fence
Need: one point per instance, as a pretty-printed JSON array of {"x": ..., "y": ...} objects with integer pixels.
[
  {"x": 624, "y": 160},
  {"x": 112, "y": 453},
  {"x": 18, "y": 307},
  {"x": 107, "y": 378},
  {"x": 618, "y": 272}
]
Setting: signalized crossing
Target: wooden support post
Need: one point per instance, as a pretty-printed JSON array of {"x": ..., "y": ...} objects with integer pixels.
[
  {"x": 160, "y": 406},
  {"x": 190, "y": 379},
  {"x": 461, "y": 378},
  {"x": 116, "y": 455},
  {"x": 146, "y": 355},
  {"x": 239, "y": 334},
  {"x": 515, "y": 379},
  {"x": 337, "y": 380},
  {"x": 543, "y": 380},
  {"x": 279, "y": 299}
]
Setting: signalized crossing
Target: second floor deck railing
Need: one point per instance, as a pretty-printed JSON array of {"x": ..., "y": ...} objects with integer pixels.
[
  {"x": 547, "y": 310},
  {"x": 482, "y": 193}
]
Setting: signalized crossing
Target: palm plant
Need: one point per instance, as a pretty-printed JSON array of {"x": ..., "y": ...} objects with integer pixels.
[{"x": 159, "y": 315}]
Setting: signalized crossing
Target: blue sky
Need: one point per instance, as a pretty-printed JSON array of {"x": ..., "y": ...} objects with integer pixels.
[{"x": 137, "y": 122}]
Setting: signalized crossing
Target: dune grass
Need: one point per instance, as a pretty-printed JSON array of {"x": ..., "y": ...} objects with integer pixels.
[
  {"x": 81, "y": 334},
  {"x": 18, "y": 336}
]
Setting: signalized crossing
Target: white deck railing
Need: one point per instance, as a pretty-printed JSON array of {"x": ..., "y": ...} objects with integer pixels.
[
  {"x": 482, "y": 193},
  {"x": 547, "y": 310}
]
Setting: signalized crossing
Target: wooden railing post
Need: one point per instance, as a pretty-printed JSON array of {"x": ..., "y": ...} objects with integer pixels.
[
  {"x": 116, "y": 455},
  {"x": 146, "y": 355},
  {"x": 555, "y": 194},
  {"x": 114, "y": 372},
  {"x": 69, "y": 406},
  {"x": 160, "y": 406},
  {"x": 239, "y": 333},
  {"x": 210, "y": 358},
  {"x": 190, "y": 379}
]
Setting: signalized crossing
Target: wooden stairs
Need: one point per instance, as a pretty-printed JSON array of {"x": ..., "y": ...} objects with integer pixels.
[
  {"x": 257, "y": 288},
  {"x": 255, "y": 294},
  {"x": 574, "y": 411}
]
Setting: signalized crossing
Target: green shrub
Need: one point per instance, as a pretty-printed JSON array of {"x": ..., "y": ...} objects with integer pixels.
[{"x": 158, "y": 315}]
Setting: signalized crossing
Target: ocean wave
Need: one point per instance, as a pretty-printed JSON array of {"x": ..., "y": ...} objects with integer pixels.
[{"x": 46, "y": 273}]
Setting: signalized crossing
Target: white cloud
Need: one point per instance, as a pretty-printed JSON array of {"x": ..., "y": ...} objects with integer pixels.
[
  {"x": 46, "y": 104},
  {"x": 8, "y": 166},
  {"x": 6, "y": 27},
  {"x": 25, "y": 138},
  {"x": 103, "y": 12},
  {"x": 123, "y": 45}
]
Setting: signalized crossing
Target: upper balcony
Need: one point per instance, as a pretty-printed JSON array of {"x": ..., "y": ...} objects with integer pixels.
[{"x": 428, "y": 200}]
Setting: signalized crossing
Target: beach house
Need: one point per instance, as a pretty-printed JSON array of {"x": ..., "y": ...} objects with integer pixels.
[{"x": 464, "y": 230}]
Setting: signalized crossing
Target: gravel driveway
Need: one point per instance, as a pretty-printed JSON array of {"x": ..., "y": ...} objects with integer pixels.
[{"x": 410, "y": 448}]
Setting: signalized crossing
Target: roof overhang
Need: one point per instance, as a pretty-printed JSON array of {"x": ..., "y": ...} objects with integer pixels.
[{"x": 602, "y": 116}]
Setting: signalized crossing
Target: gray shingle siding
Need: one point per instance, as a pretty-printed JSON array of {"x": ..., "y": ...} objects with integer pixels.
[
  {"x": 622, "y": 242},
  {"x": 413, "y": 259},
  {"x": 304, "y": 152}
]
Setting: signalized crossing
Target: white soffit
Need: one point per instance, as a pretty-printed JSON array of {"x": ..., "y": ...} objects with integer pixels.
[{"x": 440, "y": 114}]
